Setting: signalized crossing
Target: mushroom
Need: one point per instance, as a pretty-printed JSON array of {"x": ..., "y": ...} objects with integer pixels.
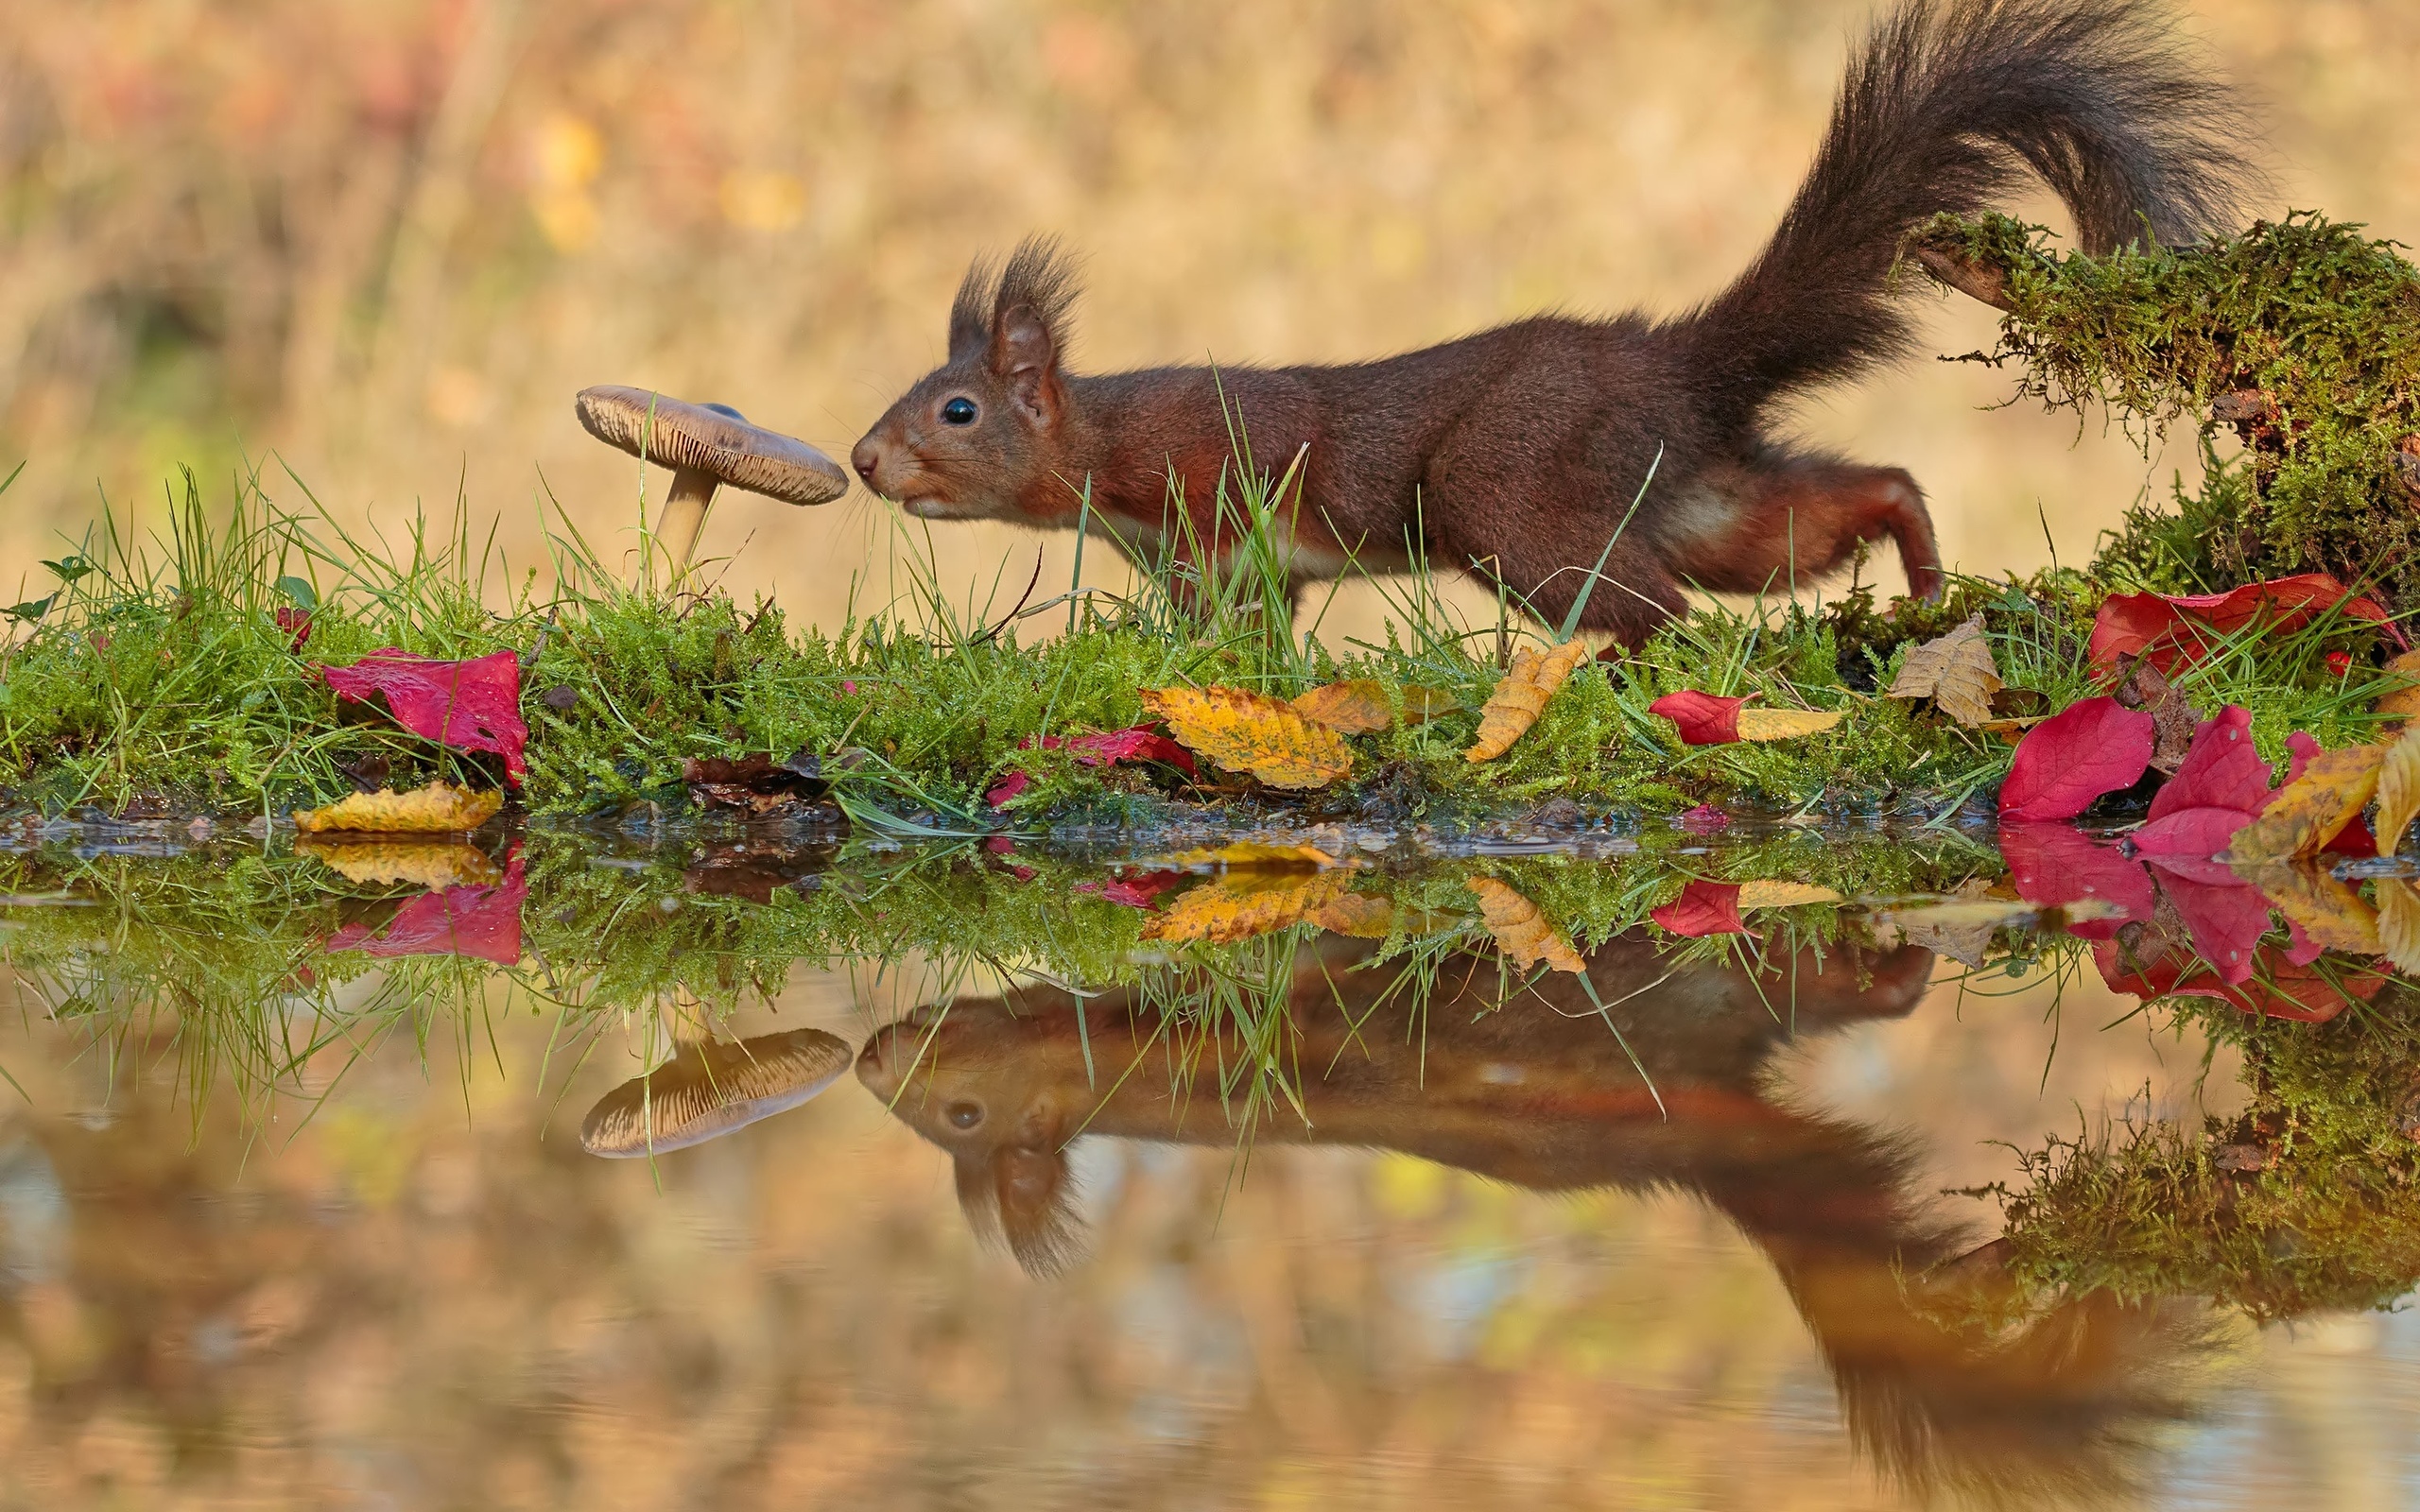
[
  {"x": 710, "y": 1089},
  {"x": 705, "y": 445}
]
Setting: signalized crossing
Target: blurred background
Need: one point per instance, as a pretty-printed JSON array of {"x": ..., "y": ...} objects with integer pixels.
[{"x": 382, "y": 243}]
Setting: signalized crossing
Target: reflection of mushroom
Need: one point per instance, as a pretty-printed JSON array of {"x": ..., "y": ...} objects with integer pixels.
[
  {"x": 705, "y": 445},
  {"x": 709, "y": 1089}
]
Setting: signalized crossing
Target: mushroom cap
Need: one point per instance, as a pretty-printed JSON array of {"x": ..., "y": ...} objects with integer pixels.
[
  {"x": 716, "y": 441},
  {"x": 707, "y": 1090}
]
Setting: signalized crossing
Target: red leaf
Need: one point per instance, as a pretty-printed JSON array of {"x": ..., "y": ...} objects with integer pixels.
[
  {"x": 478, "y": 921},
  {"x": 473, "y": 705},
  {"x": 2221, "y": 771},
  {"x": 2169, "y": 629},
  {"x": 1137, "y": 743},
  {"x": 1703, "y": 908},
  {"x": 1704, "y": 719},
  {"x": 296, "y": 623},
  {"x": 2054, "y": 864},
  {"x": 2188, "y": 834},
  {"x": 1134, "y": 892},
  {"x": 2073, "y": 757},
  {"x": 1705, "y": 819},
  {"x": 1007, "y": 787}
]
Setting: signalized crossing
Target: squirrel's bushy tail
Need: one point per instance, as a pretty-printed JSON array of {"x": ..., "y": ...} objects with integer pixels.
[{"x": 1948, "y": 106}]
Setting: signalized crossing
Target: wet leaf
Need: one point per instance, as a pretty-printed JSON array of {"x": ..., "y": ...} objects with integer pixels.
[
  {"x": 473, "y": 705},
  {"x": 1763, "y": 894},
  {"x": 2057, "y": 866},
  {"x": 2402, "y": 702},
  {"x": 1141, "y": 891},
  {"x": 436, "y": 809},
  {"x": 2064, "y": 763},
  {"x": 2306, "y": 813},
  {"x": 1785, "y": 724},
  {"x": 1357, "y": 915},
  {"x": 1704, "y": 908},
  {"x": 1254, "y": 856},
  {"x": 2398, "y": 789},
  {"x": 1254, "y": 733},
  {"x": 2328, "y": 913},
  {"x": 1703, "y": 718},
  {"x": 429, "y": 865},
  {"x": 1956, "y": 671},
  {"x": 2173, "y": 630},
  {"x": 1348, "y": 708},
  {"x": 1239, "y": 905},
  {"x": 2399, "y": 923},
  {"x": 1521, "y": 695},
  {"x": 481, "y": 922},
  {"x": 1961, "y": 931},
  {"x": 1521, "y": 932}
]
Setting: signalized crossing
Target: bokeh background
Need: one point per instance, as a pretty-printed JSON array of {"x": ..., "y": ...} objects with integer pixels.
[{"x": 382, "y": 243}]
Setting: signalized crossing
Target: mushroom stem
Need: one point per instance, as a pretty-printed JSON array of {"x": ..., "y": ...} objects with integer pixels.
[{"x": 685, "y": 517}]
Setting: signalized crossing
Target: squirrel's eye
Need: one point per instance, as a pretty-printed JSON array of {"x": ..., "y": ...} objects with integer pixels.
[
  {"x": 963, "y": 1115},
  {"x": 959, "y": 411}
]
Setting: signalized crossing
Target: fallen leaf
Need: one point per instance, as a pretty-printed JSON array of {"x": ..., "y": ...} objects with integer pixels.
[
  {"x": 1242, "y": 905},
  {"x": 1254, "y": 856},
  {"x": 1354, "y": 914},
  {"x": 1785, "y": 724},
  {"x": 1956, "y": 671},
  {"x": 2064, "y": 763},
  {"x": 2329, "y": 913},
  {"x": 1704, "y": 908},
  {"x": 439, "y": 808},
  {"x": 1703, "y": 719},
  {"x": 2307, "y": 811},
  {"x": 1763, "y": 894},
  {"x": 1521, "y": 932},
  {"x": 1520, "y": 697},
  {"x": 1107, "y": 747},
  {"x": 2398, "y": 789},
  {"x": 1141, "y": 891},
  {"x": 473, "y": 705},
  {"x": 2057, "y": 866},
  {"x": 1351, "y": 708},
  {"x": 2399, "y": 906},
  {"x": 2220, "y": 787},
  {"x": 2170, "y": 630},
  {"x": 1254, "y": 733},
  {"x": 1421, "y": 705},
  {"x": 2011, "y": 730},
  {"x": 2141, "y": 685},
  {"x": 429, "y": 865},
  {"x": 2403, "y": 702},
  {"x": 480, "y": 921}
]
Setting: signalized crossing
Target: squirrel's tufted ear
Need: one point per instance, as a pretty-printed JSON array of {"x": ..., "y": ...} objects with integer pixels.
[
  {"x": 970, "y": 313},
  {"x": 1025, "y": 354}
]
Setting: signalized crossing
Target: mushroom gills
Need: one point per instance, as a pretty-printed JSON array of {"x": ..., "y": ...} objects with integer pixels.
[{"x": 711, "y": 1089}]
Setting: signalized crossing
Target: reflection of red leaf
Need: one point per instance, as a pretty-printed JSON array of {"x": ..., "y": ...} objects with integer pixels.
[
  {"x": 480, "y": 921},
  {"x": 473, "y": 705},
  {"x": 1001, "y": 845},
  {"x": 2226, "y": 920},
  {"x": 2168, "y": 630},
  {"x": 1134, "y": 892},
  {"x": 1705, "y": 819},
  {"x": 2054, "y": 864},
  {"x": 2073, "y": 757},
  {"x": 1704, "y": 719},
  {"x": 1703, "y": 908},
  {"x": 2287, "y": 989}
]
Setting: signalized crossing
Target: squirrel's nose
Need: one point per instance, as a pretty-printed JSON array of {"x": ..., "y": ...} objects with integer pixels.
[{"x": 866, "y": 458}]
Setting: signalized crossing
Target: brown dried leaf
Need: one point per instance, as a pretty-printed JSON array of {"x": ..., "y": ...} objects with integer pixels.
[
  {"x": 1956, "y": 671},
  {"x": 1254, "y": 856},
  {"x": 1351, "y": 708},
  {"x": 2399, "y": 924},
  {"x": 1354, "y": 914},
  {"x": 2143, "y": 686},
  {"x": 1766, "y": 894},
  {"x": 1961, "y": 931},
  {"x": 2308, "y": 813},
  {"x": 1242, "y": 905},
  {"x": 1252, "y": 732},
  {"x": 1785, "y": 724},
  {"x": 2331, "y": 914},
  {"x": 430, "y": 865},
  {"x": 2403, "y": 702},
  {"x": 1420, "y": 704},
  {"x": 1521, "y": 932},
  {"x": 2398, "y": 789},
  {"x": 1521, "y": 695},
  {"x": 439, "y": 808}
]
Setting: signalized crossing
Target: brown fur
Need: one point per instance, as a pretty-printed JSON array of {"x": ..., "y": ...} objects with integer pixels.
[{"x": 1518, "y": 451}]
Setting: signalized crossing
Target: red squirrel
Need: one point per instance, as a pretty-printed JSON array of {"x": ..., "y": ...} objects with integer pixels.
[{"x": 1517, "y": 452}]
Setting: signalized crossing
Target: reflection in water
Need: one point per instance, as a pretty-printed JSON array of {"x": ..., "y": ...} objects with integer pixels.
[
  {"x": 709, "y": 1089},
  {"x": 1543, "y": 1093}
]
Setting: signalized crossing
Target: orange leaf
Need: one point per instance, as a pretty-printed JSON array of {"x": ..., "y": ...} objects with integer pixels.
[
  {"x": 431, "y": 866},
  {"x": 2306, "y": 813},
  {"x": 1242, "y": 905},
  {"x": 1355, "y": 914},
  {"x": 439, "y": 808},
  {"x": 1252, "y": 732},
  {"x": 2403, "y": 702},
  {"x": 1348, "y": 708},
  {"x": 1520, "y": 698},
  {"x": 1255, "y": 856},
  {"x": 1521, "y": 932}
]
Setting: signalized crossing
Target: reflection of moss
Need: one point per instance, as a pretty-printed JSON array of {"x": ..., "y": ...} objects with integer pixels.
[
  {"x": 2332, "y": 1221},
  {"x": 2307, "y": 334}
]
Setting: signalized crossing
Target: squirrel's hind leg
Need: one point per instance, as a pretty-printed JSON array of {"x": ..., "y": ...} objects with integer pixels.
[{"x": 1790, "y": 519}]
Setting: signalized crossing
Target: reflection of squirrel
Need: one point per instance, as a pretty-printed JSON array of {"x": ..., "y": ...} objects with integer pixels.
[
  {"x": 1520, "y": 450},
  {"x": 1542, "y": 1093}
]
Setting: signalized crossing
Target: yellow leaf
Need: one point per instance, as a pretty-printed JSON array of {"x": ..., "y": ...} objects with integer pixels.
[
  {"x": 1521, "y": 932},
  {"x": 1763, "y": 894},
  {"x": 1254, "y": 733},
  {"x": 1956, "y": 671},
  {"x": 2331, "y": 914},
  {"x": 2398, "y": 789},
  {"x": 2307, "y": 811},
  {"x": 1354, "y": 914},
  {"x": 1347, "y": 708},
  {"x": 1521, "y": 695},
  {"x": 2399, "y": 924},
  {"x": 1242, "y": 905},
  {"x": 1784, "y": 724},
  {"x": 1254, "y": 856},
  {"x": 430, "y": 865},
  {"x": 1420, "y": 704},
  {"x": 436, "y": 809},
  {"x": 2402, "y": 702}
]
